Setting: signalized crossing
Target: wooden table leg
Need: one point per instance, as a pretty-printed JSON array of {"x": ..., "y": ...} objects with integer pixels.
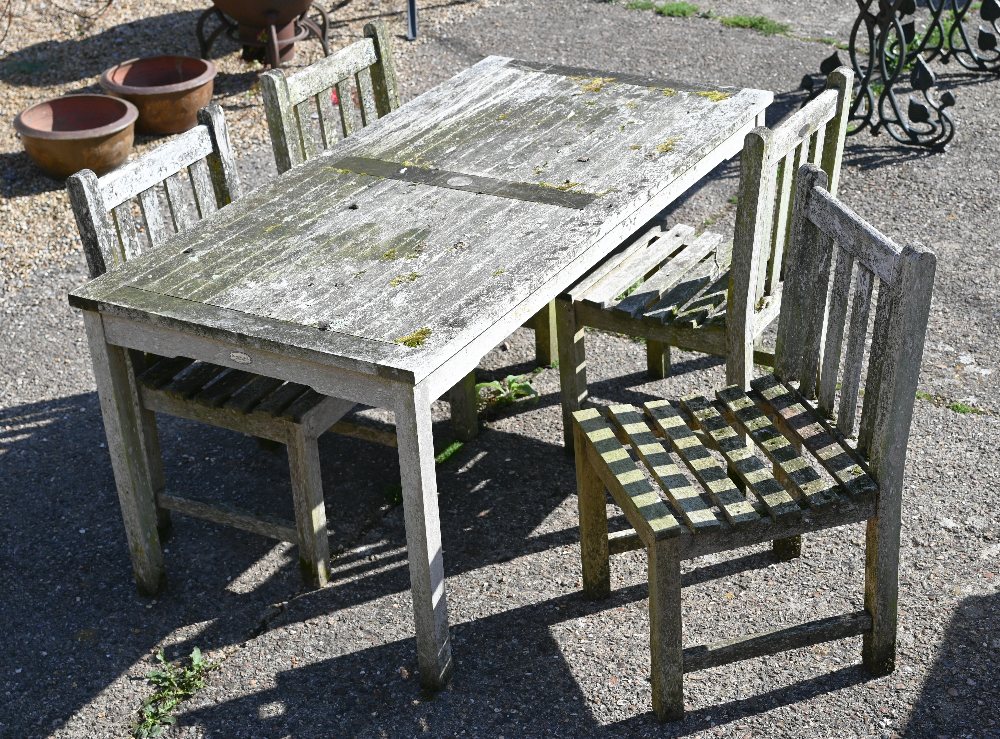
[
  {"x": 124, "y": 429},
  {"x": 423, "y": 537}
]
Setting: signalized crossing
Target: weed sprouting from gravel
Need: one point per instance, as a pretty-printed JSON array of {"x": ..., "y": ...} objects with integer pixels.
[
  {"x": 759, "y": 23},
  {"x": 174, "y": 683},
  {"x": 668, "y": 9}
]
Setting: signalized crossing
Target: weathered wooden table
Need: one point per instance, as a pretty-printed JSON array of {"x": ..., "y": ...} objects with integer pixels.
[{"x": 385, "y": 270}]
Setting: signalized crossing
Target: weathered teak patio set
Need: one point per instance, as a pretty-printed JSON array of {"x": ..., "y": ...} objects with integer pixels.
[{"x": 401, "y": 244}]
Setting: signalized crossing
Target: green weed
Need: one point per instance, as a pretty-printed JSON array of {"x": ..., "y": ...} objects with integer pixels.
[
  {"x": 668, "y": 9},
  {"x": 174, "y": 684},
  {"x": 759, "y": 23},
  {"x": 506, "y": 391}
]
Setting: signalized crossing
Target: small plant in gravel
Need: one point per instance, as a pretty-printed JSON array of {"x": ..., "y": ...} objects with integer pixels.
[
  {"x": 760, "y": 23},
  {"x": 668, "y": 9},
  {"x": 506, "y": 391},
  {"x": 174, "y": 683},
  {"x": 955, "y": 406}
]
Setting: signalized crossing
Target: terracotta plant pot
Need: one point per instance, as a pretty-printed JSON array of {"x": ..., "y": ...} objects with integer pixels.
[
  {"x": 74, "y": 132},
  {"x": 167, "y": 90}
]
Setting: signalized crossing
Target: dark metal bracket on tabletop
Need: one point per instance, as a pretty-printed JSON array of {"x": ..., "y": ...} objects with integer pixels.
[{"x": 887, "y": 54}]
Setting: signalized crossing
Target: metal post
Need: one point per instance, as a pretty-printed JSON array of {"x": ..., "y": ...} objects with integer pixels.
[{"x": 411, "y": 20}]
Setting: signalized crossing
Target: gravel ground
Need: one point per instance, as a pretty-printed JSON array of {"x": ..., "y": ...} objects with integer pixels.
[{"x": 533, "y": 658}]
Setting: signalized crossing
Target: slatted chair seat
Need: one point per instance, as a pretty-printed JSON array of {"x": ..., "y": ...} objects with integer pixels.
[
  {"x": 779, "y": 457},
  {"x": 688, "y": 472},
  {"x": 684, "y": 280}
]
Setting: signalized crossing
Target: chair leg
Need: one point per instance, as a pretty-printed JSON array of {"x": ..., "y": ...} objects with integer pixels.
[
  {"x": 546, "y": 344},
  {"x": 154, "y": 462},
  {"x": 657, "y": 359},
  {"x": 593, "y": 525},
  {"x": 310, "y": 509},
  {"x": 464, "y": 408},
  {"x": 572, "y": 367},
  {"x": 739, "y": 363},
  {"x": 667, "y": 656},
  {"x": 882, "y": 587}
]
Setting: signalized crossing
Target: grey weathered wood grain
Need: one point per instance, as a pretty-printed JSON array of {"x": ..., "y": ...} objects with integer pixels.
[
  {"x": 805, "y": 427},
  {"x": 204, "y": 192},
  {"x": 127, "y": 234},
  {"x": 464, "y": 402},
  {"x": 310, "y": 511},
  {"x": 149, "y": 202},
  {"x": 423, "y": 538},
  {"x": 121, "y": 408},
  {"x": 383, "y": 71},
  {"x": 836, "y": 312},
  {"x": 665, "y": 631},
  {"x": 741, "y": 459},
  {"x": 221, "y": 159},
  {"x": 594, "y": 549},
  {"x": 854, "y": 354},
  {"x": 713, "y": 477},
  {"x": 227, "y": 515}
]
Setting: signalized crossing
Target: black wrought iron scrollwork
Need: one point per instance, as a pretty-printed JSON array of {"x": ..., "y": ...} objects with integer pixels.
[{"x": 884, "y": 46}]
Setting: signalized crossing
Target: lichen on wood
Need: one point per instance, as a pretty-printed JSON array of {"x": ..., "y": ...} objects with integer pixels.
[
  {"x": 668, "y": 146},
  {"x": 403, "y": 279},
  {"x": 417, "y": 338},
  {"x": 716, "y": 96}
]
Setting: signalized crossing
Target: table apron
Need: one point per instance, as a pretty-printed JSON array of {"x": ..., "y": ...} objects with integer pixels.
[
  {"x": 336, "y": 382},
  {"x": 445, "y": 376}
]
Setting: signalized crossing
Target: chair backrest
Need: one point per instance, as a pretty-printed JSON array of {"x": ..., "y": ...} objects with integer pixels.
[
  {"x": 113, "y": 231},
  {"x": 836, "y": 261},
  {"x": 291, "y": 103},
  {"x": 768, "y": 168}
]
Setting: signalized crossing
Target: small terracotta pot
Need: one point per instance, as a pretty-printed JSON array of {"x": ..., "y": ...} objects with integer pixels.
[
  {"x": 167, "y": 90},
  {"x": 74, "y": 132}
]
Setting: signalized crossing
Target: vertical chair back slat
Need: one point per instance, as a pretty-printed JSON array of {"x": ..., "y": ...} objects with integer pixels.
[
  {"x": 204, "y": 193},
  {"x": 198, "y": 162},
  {"x": 181, "y": 216},
  {"x": 127, "y": 233},
  {"x": 366, "y": 94},
  {"x": 289, "y": 100},
  {"x": 329, "y": 121},
  {"x": 839, "y": 298},
  {"x": 821, "y": 226},
  {"x": 149, "y": 202},
  {"x": 347, "y": 123},
  {"x": 854, "y": 354}
]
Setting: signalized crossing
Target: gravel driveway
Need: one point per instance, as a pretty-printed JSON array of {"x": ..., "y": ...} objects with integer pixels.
[{"x": 533, "y": 658}]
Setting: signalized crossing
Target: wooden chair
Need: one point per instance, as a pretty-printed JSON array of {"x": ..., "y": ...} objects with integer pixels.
[
  {"x": 733, "y": 494},
  {"x": 699, "y": 291},
  {"x": 291, "y": 101},
  {"x": 112, "y": 233}
]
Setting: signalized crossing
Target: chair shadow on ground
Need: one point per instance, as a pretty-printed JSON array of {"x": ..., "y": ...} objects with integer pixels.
[{"x": 77, "y": 622}]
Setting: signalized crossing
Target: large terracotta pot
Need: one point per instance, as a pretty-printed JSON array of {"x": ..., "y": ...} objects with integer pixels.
[
  {"x": 167, "y": 90},
  {"x": 74, "y": 132}
]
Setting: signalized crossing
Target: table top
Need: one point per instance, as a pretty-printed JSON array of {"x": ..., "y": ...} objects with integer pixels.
[{"x": 394, "y": 250}]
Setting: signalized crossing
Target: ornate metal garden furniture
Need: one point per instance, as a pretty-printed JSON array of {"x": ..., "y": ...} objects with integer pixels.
[{"x": 800, "y": 422}]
